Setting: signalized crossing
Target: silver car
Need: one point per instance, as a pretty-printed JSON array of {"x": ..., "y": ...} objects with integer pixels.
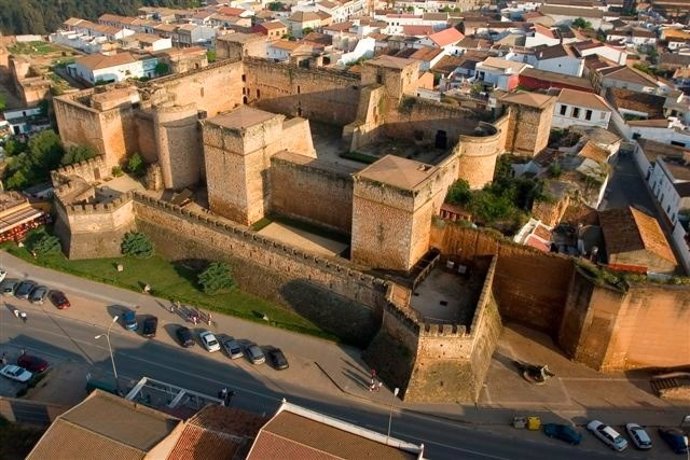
[
  {"x": 38, "y": 295},
  {"x": 232, "y": 348},
  {"x": 255, "y": 354},
  {"x": 639, "y": 436}
]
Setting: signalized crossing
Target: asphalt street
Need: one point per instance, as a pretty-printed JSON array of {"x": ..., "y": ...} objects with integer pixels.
[{"x": 64, "y": 337}]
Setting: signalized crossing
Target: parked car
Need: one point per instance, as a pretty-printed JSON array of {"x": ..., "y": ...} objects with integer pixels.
[
  {"x": 563, "y": 432},
  {"x": 129, "y": 320},
  {"x": 59, "y": 299},
  {"x": 232, "y": 348},
  {"x": 32, "y": 363},
  {"x": 3, "y": 274},
  {"x": 38, "y": 295},
  {"x": 209, "y": 341},
  {"x": 16, "y": 373},
  {"x": 149, "y": 327},
  {"x": 255, "y": 354},
  {"x": 184, "y": 335},
  {"x": 607, "y": 435},
  {"x": 8, "y": 286},
  {"x": 24, "y": 289},
  {"x": 639, "y": 436},
  {"x": 278, "y": 359},
  {"x": 676, "y": 439}
]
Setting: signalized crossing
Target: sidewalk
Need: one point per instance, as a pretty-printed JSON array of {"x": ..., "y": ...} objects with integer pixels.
[{"x": 577, "y": 393}]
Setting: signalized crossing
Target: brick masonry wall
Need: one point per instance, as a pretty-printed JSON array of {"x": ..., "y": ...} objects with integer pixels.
[
  {"x": 530, "y": 286},
  {"x": 330, "y": 292},
  {"x": 311, "y": 193},
  {"x": 178, "y": 141},
  {"x": 92, "y": 170},
  {"x": 319, "y": 95}
]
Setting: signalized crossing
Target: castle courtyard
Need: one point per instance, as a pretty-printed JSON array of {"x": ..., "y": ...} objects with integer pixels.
[{"x": 303, "y": 239}]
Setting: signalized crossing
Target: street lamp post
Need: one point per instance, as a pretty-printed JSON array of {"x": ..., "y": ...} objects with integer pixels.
[
  {"x": 110, "y": 349},
  {"x": 390, "y": 413}
]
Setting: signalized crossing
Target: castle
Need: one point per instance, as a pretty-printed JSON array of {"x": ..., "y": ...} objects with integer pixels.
[{"x": 250, "y": 133}]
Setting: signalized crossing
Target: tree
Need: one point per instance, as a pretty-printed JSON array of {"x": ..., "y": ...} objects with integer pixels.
[
  {"x": 216, "y": 278},
  {"x": 276, "y": 6},
  {"x": 581, "y": 23},
  {"x": 211, "y": 55},
  {"x": 136, "y": 244},
  {"x": 78, "y": 154},
  {"x": 135, "y": 165},
  {"x": 459, "y": 193},
  {"x": 47, "y": 244},
  {"x": 307, "y": 31},
  {"x": 3, "y": 102},
  {"x": 45, "y": 151},
  {"x": 162, "y": 68}
]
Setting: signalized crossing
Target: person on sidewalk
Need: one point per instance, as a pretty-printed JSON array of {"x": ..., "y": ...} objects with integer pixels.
[
  {"x": 379, "y": 385},
  {"x": 23, "y": 316},
  {"x": 3, "y": 359}
]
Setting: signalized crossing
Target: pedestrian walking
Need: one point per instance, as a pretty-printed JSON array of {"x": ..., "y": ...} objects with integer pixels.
[
  {"x": 372, "y": 384},
  {"x": 23, "y": 316},
  {"x": 16, "y": 312},
  {"x": 3, "y": 359},
  {"x": 379, "y": 385}
]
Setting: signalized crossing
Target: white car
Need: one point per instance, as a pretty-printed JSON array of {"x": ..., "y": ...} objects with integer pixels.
[
  {"x": 640, "y": 438},
  {"x": 607, "y": 435},
  {"x": 16, "y": 373},
  {"x": 209, "y": 341}
]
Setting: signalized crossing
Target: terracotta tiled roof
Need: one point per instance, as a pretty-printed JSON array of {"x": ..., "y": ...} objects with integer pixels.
[
  {"x": 398, "y": 172},
  {"x": 101, "y": 61},
  {"x": 418, "y": 31},
  {"x": 583, "y": 99},
  {"x": 426, "y": 53},
  {"x": 550, "y": 10},
  {"x": 639, "y": 102},
  {"x": 557, "y": 78},
  {"x": 528, "y": 99},
  {"x": 629, "y": 75},
  {"x": 593, "y": 152},
  {"x": 304, "y": 16},
  {"x": 628, "y": 230},
  {"x": 446, "y": 37}
]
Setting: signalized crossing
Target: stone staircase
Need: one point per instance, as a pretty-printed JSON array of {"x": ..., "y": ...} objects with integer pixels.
[{"x": 672, "y": 386}]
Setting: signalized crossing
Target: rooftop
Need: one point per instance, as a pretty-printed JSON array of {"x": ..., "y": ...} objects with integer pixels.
[
  {"x": 627, "y": 74},
  {"x": 583, "y": 99},
  {"x": 535, "y": 100},
  {"x": 242, "y": 117},
  {"x": 550, "y": 10},
  {"x": 504, "y": 64},
  {"x": 398, "y": 172},
  {"x": 627, "y": 230},
  {"x": 390, "y": 62},
  {"x": 558, "y": 78},
  {"x": 639, "y": 102},
  {"x": 101, "y": 61},
  {"x": 446, "y": 37}
]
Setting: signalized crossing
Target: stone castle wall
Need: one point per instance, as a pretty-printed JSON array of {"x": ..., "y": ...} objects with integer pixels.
[
  {"x": 92, "y": 170},
  {"x": 89, "y": 231},
  {"x": 305, "y": 189},
  {"x": 178, "y": 141},
  {"x": 528, "y": 130},
  {"x": 323, "y": 95},
  {"x": 477, "y": 156},
  {"x": 143, "y": 122},
  {"x": 530, "y": 286},
  {"x": 332, "y": 293},
  {"x": 648, "y": 325}
]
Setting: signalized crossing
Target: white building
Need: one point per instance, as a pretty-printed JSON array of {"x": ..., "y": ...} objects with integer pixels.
[
  {"x": 670, "y": 182},
  {"x": 500, "y": 73},
  {"x": 97, "y": 68},
  {"x": 580, "y": 108},
  {"x": 560, "y": 59}
]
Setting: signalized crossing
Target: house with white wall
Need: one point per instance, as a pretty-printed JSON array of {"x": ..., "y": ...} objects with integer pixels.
[
  {"x": 97, "y": 68},
  {"x": 500, "y": 73},
  {"x": 669, "y": 180},
  {"x": 560, "y": 59},
  {"x": 586, "y": 48},
  {"x": 580, "y": 108}
]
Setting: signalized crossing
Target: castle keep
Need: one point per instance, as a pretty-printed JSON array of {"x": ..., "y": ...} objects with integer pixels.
[{"x": 256, "y": 139}]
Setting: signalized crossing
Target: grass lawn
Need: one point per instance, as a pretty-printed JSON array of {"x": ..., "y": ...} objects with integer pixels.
[
  {"x": 37, "y": 47},
  {"x": 175, "y": 282}
]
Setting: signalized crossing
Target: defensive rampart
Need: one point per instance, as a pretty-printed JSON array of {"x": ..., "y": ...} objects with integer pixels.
[
  {"x": 436, "y": 362},
  {"x": 306, "y": 189},
  {"x": 91, "y": 171},
  {"x": 330, "y": 292},
  {"x": 322, "y": 95}
]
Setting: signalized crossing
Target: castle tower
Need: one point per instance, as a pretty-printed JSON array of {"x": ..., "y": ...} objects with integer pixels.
[
  {"x": 237, "y": 150},
  {"x": 530, "y": 122},
  {"x": 178, "y": 142},
  {"x": 393, "y": 203}
]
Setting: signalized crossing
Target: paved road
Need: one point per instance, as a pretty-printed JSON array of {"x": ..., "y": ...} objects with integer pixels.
[
  {"x": 61, "y": 339},
  {"x": 68, "y": 337},
  {"x": 626, "y": 187}
]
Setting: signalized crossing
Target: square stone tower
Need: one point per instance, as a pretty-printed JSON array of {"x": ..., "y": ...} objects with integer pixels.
[
  {"x": 237, "y": 150},
  {"x": 530, "y": 122},
  {"x": 394, "y": 200}
]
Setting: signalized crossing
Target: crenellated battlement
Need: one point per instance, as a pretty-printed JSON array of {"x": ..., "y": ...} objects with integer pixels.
[
  {"x": 98, "y": 208},
  {"x": 90, "y": 170}
]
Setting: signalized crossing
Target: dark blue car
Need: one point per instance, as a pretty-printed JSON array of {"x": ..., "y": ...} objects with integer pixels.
[
  {"x": 563, "y": 432},
  {"x": 675, "y": 439},
  {"x": 129, "y": 319}
]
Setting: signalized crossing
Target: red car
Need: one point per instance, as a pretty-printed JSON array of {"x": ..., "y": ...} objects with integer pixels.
[
  {"x": 59, "y": 299},
  {"x": 32, "y": 363}
]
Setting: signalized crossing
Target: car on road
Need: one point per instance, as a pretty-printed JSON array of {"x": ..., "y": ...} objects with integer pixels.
[
  {"x": 563, "y": 432},
  {"x": 129, "y": 320},
  {"x": 149, "y": 327},
  {"x": 277, "y": 359},
  {"x": 24, "y": 289},
  {"x": 254, "y": 354},
  {"x": 3, "y": 274},
  {"x": 8, "y": 286},
  {"x": 232, "y": 347},
  {"x": 32, "y": 363},
  {"x": 209, "y": 341},
  {"x": 184, "y": 335},
  {"x": 676, "y": 439},
  {"x": 639, "y": 436},
  {"x": 59, "y": 299},
  {"x": 38, "y": 295},
  {"x": 607, "y": 435},
  {"x": 16, "y": 373}
]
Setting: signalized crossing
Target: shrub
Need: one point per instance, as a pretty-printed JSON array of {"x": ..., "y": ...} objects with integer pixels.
[
  {"x": 135, "y": 165},
  {"x": 42, "y": 243},
  {"x": 137, "y": 244},
  {"x": 459, "y": 193},
  {"x": 216, "y": 278},
  {"x": 116, "y": 171}
]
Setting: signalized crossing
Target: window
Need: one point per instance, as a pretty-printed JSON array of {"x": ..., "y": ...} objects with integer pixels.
[
  {"x": 258, "y": 94},
  {"x": 564, "y": 109},
  {"x": 244, "y": 77},
  {"x": 299, "y": 89},
  {"x": 588, "y": 115},
  {"x": 576, "y": 112},
  {"x": 379, "y": 79}
]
